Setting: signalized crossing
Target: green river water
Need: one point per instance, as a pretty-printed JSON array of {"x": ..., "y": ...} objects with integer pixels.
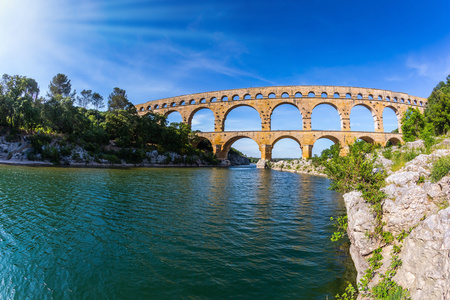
[{"x": 169, "y": 233}]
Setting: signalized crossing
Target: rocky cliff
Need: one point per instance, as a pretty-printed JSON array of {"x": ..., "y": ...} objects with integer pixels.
[
  {"x": 237, "y": 159},
  {"x": 416, "y": 212}
]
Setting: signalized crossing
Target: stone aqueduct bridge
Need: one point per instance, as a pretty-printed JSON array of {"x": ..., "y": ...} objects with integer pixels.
[{"x": 265, "y": 99}]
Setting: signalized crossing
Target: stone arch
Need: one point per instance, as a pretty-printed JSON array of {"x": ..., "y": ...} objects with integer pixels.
[
  {"x": 285, "y": 95},
  {"x": 323, "y": 104},
  {"x": 394, "y": 141},
  {"x": 336, "y": 95},
  {"x": 298, "y": 95},
  {"x": 213, "y": 99},
  {"x": 192, "y": 101},
  {"x": 247, "y": 97},
  {"x": 156, "y": 106},
  {"x": 259, "y": 96},
  {"x": 237, "y": 106},
  {"x": 224, "y": 98},
  {"x": 386, "y": 119},
  {"x": 370, "y": 97},
  {"x": 182, "y": 102},
  {"x": 367, "y": 139},
  {"x": 271, "y": 95},
  {"x": 202, "y": 100},
  {"x": 324, "y": 95},
  {"x": 196, "y": 110},
  {"x": 359, "y": 96},
  {"x": 173, "y": 116},
  {"x": 329, "y": 137},
  {"x": 173, "y": 104},
  {"x": 141, "y": 109},
  {"x": 348, "y": 95},
  {"x": 199, "y": 139},
  {"x": 376, "y": 121},
  {"x": 164, "y": 105},
  {"x": 287, "y": 137},
  {"x": 290, "y": 104},
  {"x": 235, "y": 97},
  {"x": 228, "y": 143},
  {"x": 149, "y": 107},
  {"x": 322, "y": 142},
  {"x": 311, "y": 94}
]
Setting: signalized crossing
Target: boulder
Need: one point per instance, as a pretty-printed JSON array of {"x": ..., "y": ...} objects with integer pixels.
[
  {"x": 415, "y": 144},
  {"x": 403, "y": 178}
]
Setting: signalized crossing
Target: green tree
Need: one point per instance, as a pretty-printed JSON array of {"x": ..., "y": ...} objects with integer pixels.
[
  {"x": 413, "y": 122},
  {"x": 97, "y": 102},
  {"x": 118, "y": 100},
  {"x": 60, "y": 86},
  {"x": 85, "y": 99},
  {"x": 16, "y": 101},
  {"x": 437, "y": 112}
]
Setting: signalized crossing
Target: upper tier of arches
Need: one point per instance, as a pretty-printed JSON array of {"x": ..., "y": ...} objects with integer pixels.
[{"x": 283, "y": 92}]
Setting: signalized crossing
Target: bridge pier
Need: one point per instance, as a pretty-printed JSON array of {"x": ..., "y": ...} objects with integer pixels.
[
  {"x": 307, "y": 151},
  {"x": 266, "y": 152},
  {"x": 219, "y": 152},
  {"x": 306, "y": 123},
  {"x": 345, "y": 123}
]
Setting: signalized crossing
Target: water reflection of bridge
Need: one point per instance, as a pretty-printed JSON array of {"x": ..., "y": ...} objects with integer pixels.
[{"x": 305, "y": 98}]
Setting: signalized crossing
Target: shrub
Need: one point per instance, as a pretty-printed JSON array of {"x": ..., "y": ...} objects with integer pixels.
[
  {"x": 401, "y": 158},
  {"x": 387, "y": 153},
  {"x": 440, "y": 168},
  {"x": 39, "y": 140},
  {"x": 112, "y": 158}
]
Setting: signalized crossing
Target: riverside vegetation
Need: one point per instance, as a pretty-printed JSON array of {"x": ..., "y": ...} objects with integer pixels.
[
  {"x": 377, "y": 182},
  {"x": 65, "y": 128},
  {"x": 396, "y": 197}
]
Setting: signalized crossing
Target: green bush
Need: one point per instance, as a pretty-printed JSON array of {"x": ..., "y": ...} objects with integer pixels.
[
  {"x": 112, "y": 158},
  {"x": 52, "y": 153},
  {"x": 39, "y": 140},
  {"x": 440, "y": 168},
  {"x": 65, "y": 151},
  {"x": 387, "y": 153}
]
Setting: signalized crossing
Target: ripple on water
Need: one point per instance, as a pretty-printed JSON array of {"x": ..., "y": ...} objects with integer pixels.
[{"x": 166, "y": 233}]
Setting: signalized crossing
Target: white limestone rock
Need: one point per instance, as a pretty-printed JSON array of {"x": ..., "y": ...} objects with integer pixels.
[
  {"x": 415, "y": 144},
  {"x": 426, "y": 259},
  {"x": 405, "y": 206},
  {"x": 403, "y": 178},
  {"x": 361, "y": 221}
]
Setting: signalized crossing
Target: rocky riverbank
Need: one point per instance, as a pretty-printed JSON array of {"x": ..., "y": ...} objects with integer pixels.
[
  {"x": 416, "y": 212},
  {"x": 22, "y": 153},
  {"x": 295, "y": 166}
]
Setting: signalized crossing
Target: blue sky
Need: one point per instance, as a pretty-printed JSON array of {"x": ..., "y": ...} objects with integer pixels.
[{"x": 157, "y": 49}]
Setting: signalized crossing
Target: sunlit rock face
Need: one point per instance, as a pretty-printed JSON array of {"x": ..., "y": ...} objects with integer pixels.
[
  {"x": 426, "y": 259},
  {"x": 413, "y": 204}
]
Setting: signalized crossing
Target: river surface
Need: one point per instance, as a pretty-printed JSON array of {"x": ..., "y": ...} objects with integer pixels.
[{"x": 172, "y": 233}]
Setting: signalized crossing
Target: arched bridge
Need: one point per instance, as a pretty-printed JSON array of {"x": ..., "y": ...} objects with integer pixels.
[{"x": 265, "y": 99}]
